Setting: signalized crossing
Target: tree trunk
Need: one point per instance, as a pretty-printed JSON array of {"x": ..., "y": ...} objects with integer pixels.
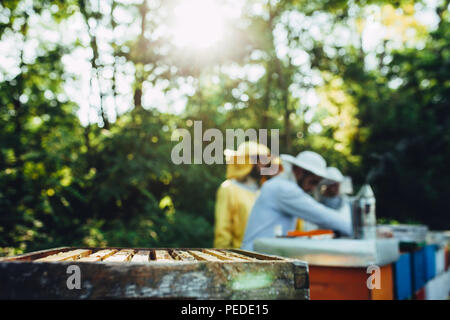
[
  {"x": 95, "y": 67},
  {"x": 139, "y": 78}
]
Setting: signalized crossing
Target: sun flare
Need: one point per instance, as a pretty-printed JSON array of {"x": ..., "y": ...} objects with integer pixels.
[{"x": 198, "y": 23}]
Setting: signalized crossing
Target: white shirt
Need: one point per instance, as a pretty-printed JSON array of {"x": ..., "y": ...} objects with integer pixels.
[{"x": 280, "y": 203}]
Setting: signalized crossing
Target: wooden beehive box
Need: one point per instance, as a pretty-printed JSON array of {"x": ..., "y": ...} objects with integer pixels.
[{"x": 142, "y": 273}]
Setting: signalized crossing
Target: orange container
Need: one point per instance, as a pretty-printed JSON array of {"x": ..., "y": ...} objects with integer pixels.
[
  {"x": 312, "y": 233},
  {"x": 338, "y": 283}
]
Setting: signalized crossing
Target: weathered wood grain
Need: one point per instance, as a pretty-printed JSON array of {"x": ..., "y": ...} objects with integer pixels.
[
  {"x": 162, "y": 256},
  {"x": 98, "y": 256},
  {"x": 232, "y": 254},
  {"x": 252, "y": 254},
  {"x": 207, "y": 280},
  {"x": 202, "y": 256},
  {"x": 182, "y": 255},
  {"x": 271, "y": 278},
  {"x": 142, "y": 256},
  {"x": 220, "y": 255},
  {"x": 36, "y": 254},
  {"x": 123, "y": 255},
  {"x": 66, "y": 256}
]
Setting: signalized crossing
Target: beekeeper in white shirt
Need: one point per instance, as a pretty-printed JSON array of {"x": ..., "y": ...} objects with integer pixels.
[{"x": 285, "y": 198}]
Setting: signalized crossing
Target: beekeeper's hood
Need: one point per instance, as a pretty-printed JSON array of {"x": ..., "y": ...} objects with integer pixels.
[
  {"x": 334, "y": 175},
  {"x": 239, "y": 163},
  {"x": 307, "y": 160}
]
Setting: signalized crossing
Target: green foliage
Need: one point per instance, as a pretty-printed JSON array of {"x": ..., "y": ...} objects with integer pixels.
[
  {"x": 111, "y": 182},
  {"x": 403, "y": 136}
]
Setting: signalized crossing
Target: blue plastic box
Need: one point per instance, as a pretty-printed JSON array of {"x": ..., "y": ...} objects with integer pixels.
[
  {"x": 402, "y": 277},
  {"x": 418, "y": 269},
  {"x": 430, "y": 261}
]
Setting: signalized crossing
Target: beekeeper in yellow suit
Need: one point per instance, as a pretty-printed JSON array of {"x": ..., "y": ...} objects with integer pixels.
[{"x": 237, "y": 194}]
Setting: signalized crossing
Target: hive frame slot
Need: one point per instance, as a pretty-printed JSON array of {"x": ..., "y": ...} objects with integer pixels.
[
  {"x": 182, "y": 255},
  {"x": 66, "y": 256},
  {"x": 98, "y": 256},
  {"x": 220, "y": 255},
  {"x": 160, "y": 255},
  {"x": 203, "y": 256},
  {"x": 123, "y": 255}
]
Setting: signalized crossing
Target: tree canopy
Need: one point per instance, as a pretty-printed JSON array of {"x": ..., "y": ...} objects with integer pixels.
[{"x": 91, "y": 92}]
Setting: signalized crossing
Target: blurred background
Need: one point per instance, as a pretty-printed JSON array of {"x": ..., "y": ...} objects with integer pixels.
[{"x": 91, "y": 91}]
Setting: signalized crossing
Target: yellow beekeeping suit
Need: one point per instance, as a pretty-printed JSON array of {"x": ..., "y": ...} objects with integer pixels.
[{"x": 233, "y": 205}]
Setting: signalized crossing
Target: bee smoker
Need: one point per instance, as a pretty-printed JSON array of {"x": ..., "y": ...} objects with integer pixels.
[{"x": 363, "y": 214}]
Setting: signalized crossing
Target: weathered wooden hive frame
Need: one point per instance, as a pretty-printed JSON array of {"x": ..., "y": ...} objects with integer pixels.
[{"x": 147, "y": 273}]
